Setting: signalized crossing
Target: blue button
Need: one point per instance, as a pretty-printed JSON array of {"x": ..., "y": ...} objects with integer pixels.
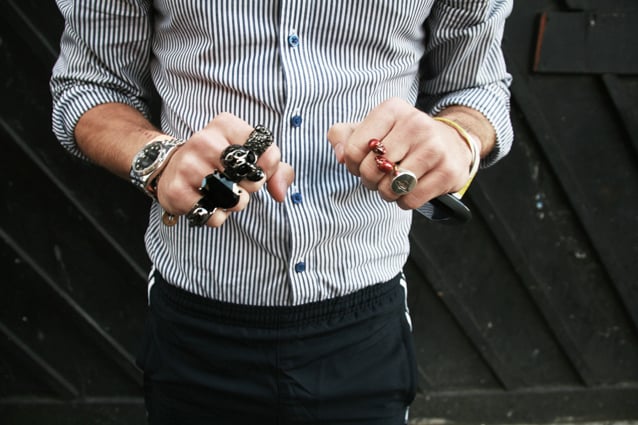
[
  {"x": 296, "y": 121},
  {"x": 293, "y": 40},
  {"x": 296, "y": 198},
  {"x": 300, "y": 267}
]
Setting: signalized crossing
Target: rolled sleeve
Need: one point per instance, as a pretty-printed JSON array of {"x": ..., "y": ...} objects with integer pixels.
[
  {"x": 104, "y": 58},
  {"x": 464, "y": 65}
]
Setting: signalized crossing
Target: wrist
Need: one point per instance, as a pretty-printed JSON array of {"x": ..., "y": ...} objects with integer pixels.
[
  {"x": 149, "y": 162},
  {"x": 473, "y": 144},
  {"x": 474, "y": 123}
]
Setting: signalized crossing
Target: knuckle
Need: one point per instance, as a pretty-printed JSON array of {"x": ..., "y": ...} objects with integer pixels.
[
  {"x": 223, "y": 118},
  {"x": 414, "y": 119}
]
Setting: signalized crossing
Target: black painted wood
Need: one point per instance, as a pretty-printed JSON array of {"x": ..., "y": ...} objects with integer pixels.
[
  {"x": 623, "y": 93},
  {"x": 620, "y": 5},
  {"x": 529, "y": 313},
  {"x": 590, "y": 42}
]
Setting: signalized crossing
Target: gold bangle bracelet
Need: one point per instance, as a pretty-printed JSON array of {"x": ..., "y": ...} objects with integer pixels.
[{"x": 473, "y": 144}]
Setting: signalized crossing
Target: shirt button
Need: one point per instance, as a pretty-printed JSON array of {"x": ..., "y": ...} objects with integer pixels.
[
  {"x": 293, "y": 40},
  {"x": 300, "y": 267},
  {"x": 296, "y": 198},
  {"x": 296, "y": 121}
]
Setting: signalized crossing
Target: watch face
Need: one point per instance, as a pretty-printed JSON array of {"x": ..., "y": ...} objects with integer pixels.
[{"x": 147, "y": 157}]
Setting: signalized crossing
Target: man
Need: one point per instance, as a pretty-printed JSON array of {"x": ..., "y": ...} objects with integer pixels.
[{"x": 289, "y": 159}]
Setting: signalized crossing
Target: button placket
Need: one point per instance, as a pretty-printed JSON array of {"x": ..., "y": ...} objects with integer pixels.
[{"x": 291, "y": 43}]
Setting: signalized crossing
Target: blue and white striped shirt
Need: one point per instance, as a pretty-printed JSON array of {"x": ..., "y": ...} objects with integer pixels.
[{"x": 297, "y": 67}]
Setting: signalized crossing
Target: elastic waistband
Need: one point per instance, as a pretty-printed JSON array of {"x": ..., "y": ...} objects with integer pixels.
[{"x": 375, "y": 299}]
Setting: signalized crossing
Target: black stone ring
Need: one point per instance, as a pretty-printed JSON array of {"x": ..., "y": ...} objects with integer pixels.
[
  {"x": 220, "y": 191},
  {"x": 259, "y": 140}
]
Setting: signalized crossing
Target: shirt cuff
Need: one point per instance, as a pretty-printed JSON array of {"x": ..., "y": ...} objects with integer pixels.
[{"x": 493, "y": 102}]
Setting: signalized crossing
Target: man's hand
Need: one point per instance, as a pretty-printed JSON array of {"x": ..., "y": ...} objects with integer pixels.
[
  {"x": 435, "y": 152},
  {"x": 177, "y": 189}
]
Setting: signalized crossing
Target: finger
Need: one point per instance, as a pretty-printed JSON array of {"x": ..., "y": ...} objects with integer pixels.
[
  {"x": 338, "y": 136},
  {"x": 201, "y": 156},
  {"x": 377, "y": 124},
  {"x": 441, "y": 161},
  {"x": 280, "y": 181},
  {"x": 269, "y": 162},
  {"x": 228, "y": 127},
  {"x": 410, "y": 150},
  {"x": 204, "y": 210},
  {"x": 218, "y": 218},
  {"x": 429, "y": 186},
  {"x": 259, "y": 157}
]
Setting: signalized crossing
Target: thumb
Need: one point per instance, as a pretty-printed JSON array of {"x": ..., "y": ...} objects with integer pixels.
[
  {"x": 278, "y": 183},
  {"x": 338, "y": 136}
]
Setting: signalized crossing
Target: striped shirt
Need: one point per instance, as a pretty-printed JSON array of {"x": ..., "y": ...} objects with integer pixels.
[{"x": 297, "y": 67}]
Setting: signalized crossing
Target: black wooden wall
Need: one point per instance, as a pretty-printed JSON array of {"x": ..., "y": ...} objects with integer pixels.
[{"x": 529, "y": 313}]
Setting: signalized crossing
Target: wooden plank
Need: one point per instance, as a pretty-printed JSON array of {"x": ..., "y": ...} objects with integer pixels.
[
  {"x": 537, "y": 405},
  {"x": 602, "y": 4},
  {"x": 529, "y": 406},
  {"x": 582, "y": 147},
  {"x": 471, "y": 326},
  {"x": 624, "y": 95},
  {"x": 54, "y": 180},
  {"x": 31, "y": 360},
  {"x": 446, "y": 357},
  {"x": 69, "y": 250},
  {"x": 533, "y": 221},
  {"x": 476, "y": 284},
  {"x": 89, "y": 411},
  {"x": 83, "y": 184},
  {"x": 20, "y": 17},
  {"x": 587, "y": 43},
  {"x": 32, "y": 297}
]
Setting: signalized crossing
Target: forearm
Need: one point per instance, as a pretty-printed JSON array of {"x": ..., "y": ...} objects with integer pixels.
[{"x": 111, "y": 134}]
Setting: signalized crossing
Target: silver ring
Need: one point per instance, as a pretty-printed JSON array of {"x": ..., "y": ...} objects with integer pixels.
[
  {"x": 259, "y": 140},
  {"x": 200, "y": 213},
  {"x": 404, "y": 181},
  {"x": 241, "y": 162}
]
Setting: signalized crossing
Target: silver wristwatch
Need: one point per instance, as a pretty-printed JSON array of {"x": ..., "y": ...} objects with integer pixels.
[{"x": 149, "y": 161}]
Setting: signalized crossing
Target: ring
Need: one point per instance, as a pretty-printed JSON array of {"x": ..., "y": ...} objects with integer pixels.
[
  {"x": 384, "y": 165},
  {"x": 259, "y": 140},
  {"x": 240, "y": 162},
  {"x": 403, "y": 182},
  {"x": 376, "y": 146},
  {"x": 220, "y": 191},
  {"x": 169, "y": 219},
  {"x": 200, "y": 213}
]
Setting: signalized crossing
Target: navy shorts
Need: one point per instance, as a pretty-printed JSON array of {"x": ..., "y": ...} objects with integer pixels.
[{"x": 348, "y": 360}]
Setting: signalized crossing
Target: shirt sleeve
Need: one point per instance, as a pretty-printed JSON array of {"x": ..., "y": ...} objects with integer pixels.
[
  {"x": 464, "y": 64},
  {"x": 104, "y": 57}
]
